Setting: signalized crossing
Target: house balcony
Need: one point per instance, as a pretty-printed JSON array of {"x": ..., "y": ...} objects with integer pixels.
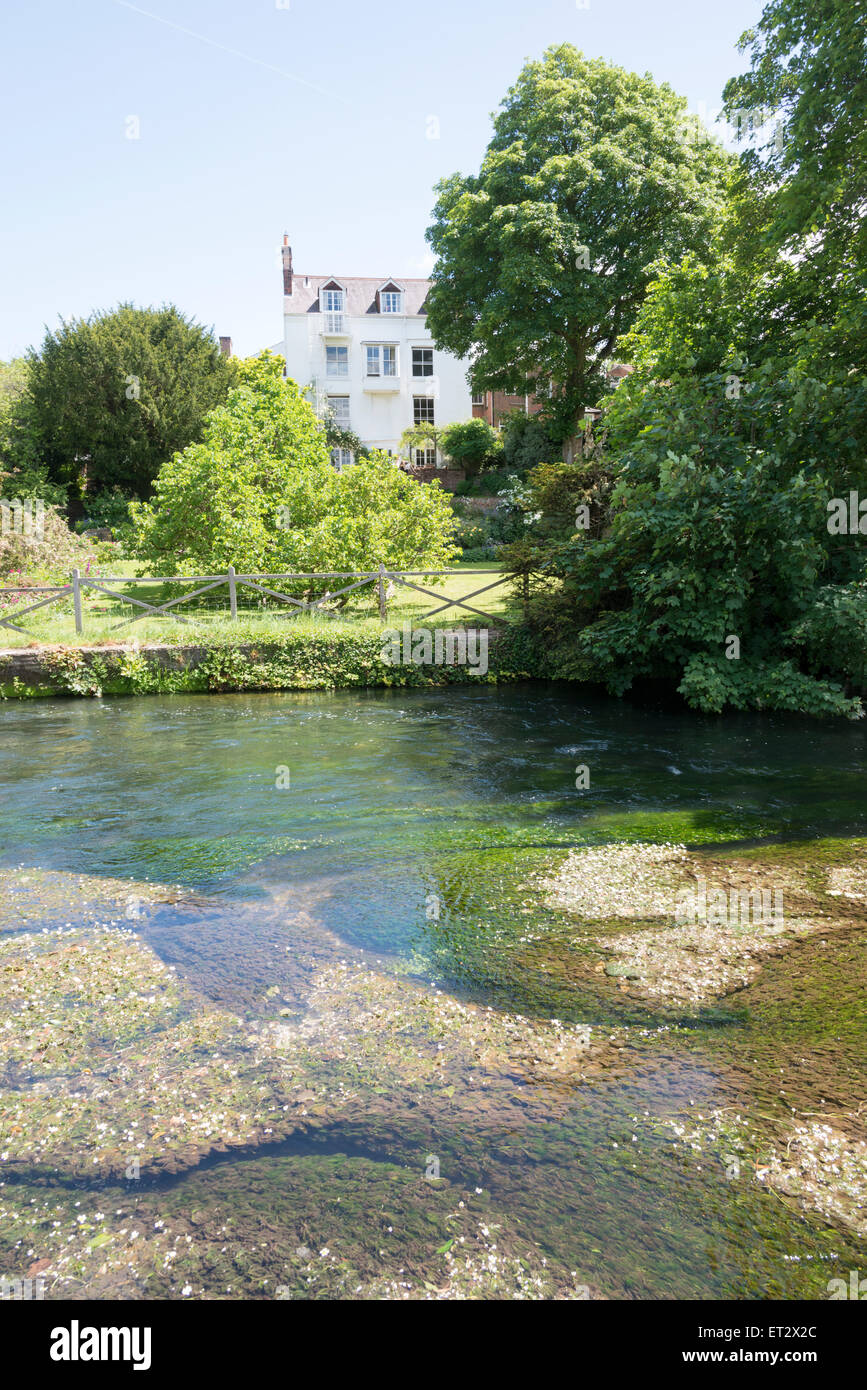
[{"x": 381, "y": 385}]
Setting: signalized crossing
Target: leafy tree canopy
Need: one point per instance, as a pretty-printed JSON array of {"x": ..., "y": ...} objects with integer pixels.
[
  {"x": 809, "y": 68},
  {"x": 543, "y": 258},
  {"x": 13, "y": 380},
  {"x": 22, "y": 473},
  {"x": 109, "y": 398},
  {"x": 720, "y": 547},
  {"x": 259, "y": 492}
]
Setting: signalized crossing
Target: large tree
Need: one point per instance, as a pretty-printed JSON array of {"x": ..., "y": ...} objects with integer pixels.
[
  {"x": 593, "y": 174},
  {"x": 714, "y": 553},
  {"x": 109, "y": 398},
  {"x": 259, "y": 492}
]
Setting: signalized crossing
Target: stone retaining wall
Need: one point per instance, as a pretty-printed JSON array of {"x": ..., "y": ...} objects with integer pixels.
[{"x": 32, "y": 664}]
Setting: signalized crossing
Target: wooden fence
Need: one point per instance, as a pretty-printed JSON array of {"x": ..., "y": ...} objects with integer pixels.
[{"x": 379, "y": 578}]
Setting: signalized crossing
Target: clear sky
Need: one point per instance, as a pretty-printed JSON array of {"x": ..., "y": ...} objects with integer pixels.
[{"x": 157, "y": 152}]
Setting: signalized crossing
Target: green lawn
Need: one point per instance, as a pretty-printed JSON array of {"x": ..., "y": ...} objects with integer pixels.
[{"x": 208, "y": 616}]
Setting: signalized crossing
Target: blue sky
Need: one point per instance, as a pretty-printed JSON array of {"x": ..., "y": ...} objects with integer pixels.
[{"x": 257, "y": 117}]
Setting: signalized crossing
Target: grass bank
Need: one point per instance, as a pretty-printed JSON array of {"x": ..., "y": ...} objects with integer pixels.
[
  {"x": 202, "y": 649},
  {"x": 108, "y": 621}
]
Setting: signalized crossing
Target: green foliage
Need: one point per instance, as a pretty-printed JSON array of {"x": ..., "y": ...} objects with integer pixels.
[
  {"x": 712, "y": 683},
  {"x": 47, "y": 555},
  {"x": 691, "y": 554},
  {"x": 544, "y": 256},
  {"x": 292, "y": 662},
  {"x": 727, "y": 357},
  {"x": 832, "y": 634},
  {"x": 486, "y": 536},
  {"x": 109, "y": 398},
  {"x": 13, "y": 380},
  {"x": 218, "y": 502},
  {"x": 338, "y": 437},
  {"x": 809, "y": 68},
  {"x": 746, "y": 412},
  {"x": 109, "y": 509},
  {"x": 476, "y": 537},
  {"x": 22, "y": 473},
  {"x": 372, "y": 513},
  {"x": 471, "y": 443},
  {"x": 420, "y": 437},
  {"x": 801, "y": 192},
  {"x": 528, "y": 440},
  {"x": 259, "y": 492},
  {"x": 695, "y": 316},
  {"x": 76, "y": 674},
  {"x": 560, "y": 503}
]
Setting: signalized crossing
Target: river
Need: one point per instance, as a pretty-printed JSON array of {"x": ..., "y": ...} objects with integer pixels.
[{"x": 403, "y": 834}]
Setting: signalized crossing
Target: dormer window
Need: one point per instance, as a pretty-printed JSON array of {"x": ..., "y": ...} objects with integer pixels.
[
  {"x": 389, "y": 298},
  {"x": 332, "y": 301}
]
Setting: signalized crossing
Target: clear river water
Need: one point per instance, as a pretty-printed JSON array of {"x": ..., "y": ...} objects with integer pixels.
[{"x": 397, "y": 800}]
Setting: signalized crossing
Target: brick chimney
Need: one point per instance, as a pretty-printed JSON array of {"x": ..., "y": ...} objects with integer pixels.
[
  {"x": 287, "y": 265},
  {"x": 226, "y": 346}
]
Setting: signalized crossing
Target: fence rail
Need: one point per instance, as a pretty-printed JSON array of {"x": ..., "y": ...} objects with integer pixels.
[{"x": 380, "y": 578}]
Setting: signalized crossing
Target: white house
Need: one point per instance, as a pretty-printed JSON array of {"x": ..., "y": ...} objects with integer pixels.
[{"x": 362, "y": 348}]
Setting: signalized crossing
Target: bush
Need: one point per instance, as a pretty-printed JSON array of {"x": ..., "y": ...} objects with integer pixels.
[
  {"x": 473, "y": 533},
  {"x": 832, "y": 634},
  {"x": 488, "y": 484},
  {"x": 527, "y": 441},
  {"x": 294, "y": 661},
  {"x": 483, "y": 537},
  {"x": 711, "y": 684},
  {"x": 480, "y": 554},
  {"x": 705, "y": 575},
  {"x": 106, "y": 510},
  {"x": 48, "y": 558},
  {"x": 471, "y": 443}
]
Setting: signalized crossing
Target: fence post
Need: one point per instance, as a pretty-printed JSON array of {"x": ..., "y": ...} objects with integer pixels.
[
  {"x": 76, "y": 600},
  {"x": 383, "y": 610},
  {"x": 233, "y": 595}
]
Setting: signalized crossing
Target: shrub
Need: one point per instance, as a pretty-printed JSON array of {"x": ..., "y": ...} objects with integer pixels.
[
  {"x": 48, "y": 557},
  {"x": 527, "y": 441},
  {"x": 108, "y": 509},
  {"x": 471, "y": 443}
]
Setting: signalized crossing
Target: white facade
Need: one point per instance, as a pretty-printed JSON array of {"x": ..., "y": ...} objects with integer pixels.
[{"x": 362, "y": 350}]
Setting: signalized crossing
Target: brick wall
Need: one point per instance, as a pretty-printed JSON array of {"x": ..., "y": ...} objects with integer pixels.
[{"x": 500, "y": 403}]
